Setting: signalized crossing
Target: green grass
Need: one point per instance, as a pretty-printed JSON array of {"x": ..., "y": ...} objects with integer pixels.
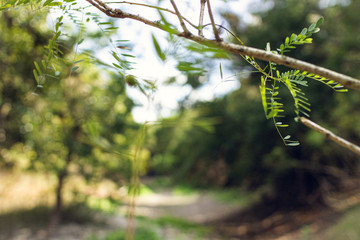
[
  {"x": 145, "y": 190},
  {"x": 149, "y": 229},
  {"x": 141, "y": 233},
  {"x": 183, "y": 225},
  {"x": 183, "y": 190},
  {"x": 105, "y": 205},
  {"x": 236, "y": 196}
]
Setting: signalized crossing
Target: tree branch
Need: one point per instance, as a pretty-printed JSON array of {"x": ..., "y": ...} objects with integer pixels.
[
  {"x": 201, "y": 18},
  {"x": 329, "y": 135},
  {"x": 117, "y": 13},
  {"x": 347, "y": 81},
  {"x": 155, "y": 7},
  {"x": 216, "y": 33},
  {"x": 186, "y": 31}
]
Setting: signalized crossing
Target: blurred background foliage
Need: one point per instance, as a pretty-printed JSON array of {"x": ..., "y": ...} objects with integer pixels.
[
  {"x": 78, "y": 123},
  {"x": 242, "y": 147}
]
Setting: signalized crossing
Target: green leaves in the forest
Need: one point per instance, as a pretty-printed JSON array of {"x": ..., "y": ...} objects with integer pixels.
[
  {"x": 34, "y": 3},
  {"x": 52, "y": 3},
  {"x": 51, "y": 50},
  {"x": 293, "y": 80}
]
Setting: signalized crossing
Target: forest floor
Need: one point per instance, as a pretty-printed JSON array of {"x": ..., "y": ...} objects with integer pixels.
[
  {"x": 315, "y": 223},
  {"x": 182, "y": 216}
]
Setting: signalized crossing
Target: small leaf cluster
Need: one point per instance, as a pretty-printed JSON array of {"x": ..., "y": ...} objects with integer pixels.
[
  {"x": 299, "y": 39},
  {"x": 42, "y": 69},
  {"x": 293, "y": 80}
]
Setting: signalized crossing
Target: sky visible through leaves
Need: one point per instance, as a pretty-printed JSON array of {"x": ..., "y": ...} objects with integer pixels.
[{"x": 149, "y": 67}]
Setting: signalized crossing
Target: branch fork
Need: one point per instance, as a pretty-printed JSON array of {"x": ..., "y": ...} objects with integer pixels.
[{"x": 243, "y": 50}]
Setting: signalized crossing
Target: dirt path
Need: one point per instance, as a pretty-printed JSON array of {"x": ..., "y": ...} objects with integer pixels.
[{"x": 197, "y": 208}]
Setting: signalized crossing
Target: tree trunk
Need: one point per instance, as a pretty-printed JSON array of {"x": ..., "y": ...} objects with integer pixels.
[{"x": 55, "y": 216}]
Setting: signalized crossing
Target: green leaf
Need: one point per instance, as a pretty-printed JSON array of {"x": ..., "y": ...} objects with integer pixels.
[
  {"x": 74, "y": 69},
  {"x": 319, "y": 22},
  {"x": 43, "y": 64},
  {"x": 47, "y": 2},
  {"x": 312, "y": 27},
  {"x": 57, "y": 35},
  {"x": 341, "y": 90},
  {"x": 221, "y": 73},
  {"x": 263, "y": 95},
  {"x": 116, "y": 56},
  {"x": 282, "y": 47},
  {"x": 293, "y": 144},
  {"x": 316, "y": 30},
  {"x": 105, "y": 23},
  {"x": 287, "y": 40},
  {"x": 189, "y": 67},
  {"x": 166, "y": 25},
  {"x": 287, "y": 137},
  {"x": 78, "y": 61},
  {"x": 36, "y": 76},
  {"x": 116, "y": 65},
  {"x": 273, "y": 113},
  {"x": 122, "y": 40},
  {"x": 159, "y": 52},
  {"x": 37, "y": 68},
  {"x": 128, "y": 55},
  {"x": 52, "y": 4},
  {"x": 5, "y": 6}
]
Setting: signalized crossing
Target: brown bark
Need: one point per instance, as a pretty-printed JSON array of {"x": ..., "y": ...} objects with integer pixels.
[{"x": 55, "y": 216}]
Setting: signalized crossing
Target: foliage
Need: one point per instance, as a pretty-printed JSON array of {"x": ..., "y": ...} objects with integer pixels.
[
  {"x": 242, "y": 149},
  {"x": 293, "y": 80},
  {"x": 78, "y": 119}
]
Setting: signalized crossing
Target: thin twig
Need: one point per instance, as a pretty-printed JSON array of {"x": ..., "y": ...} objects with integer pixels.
[
  {"x": 216, "y": 33},
  {"x": 329, "y": 135},
  {"x": 117, "y": 13},
  {"x": 201, "y": 18},
  {"x": 186, "y": 31},
  {"x": 347, "y": 81},
  {"x": 155, "y": 7}
]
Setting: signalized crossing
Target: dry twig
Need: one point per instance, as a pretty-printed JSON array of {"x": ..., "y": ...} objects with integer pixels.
[
  {"x": 186, "y": 31},
  {"x": 201, "y": 18},
  {"x": 329, "y": 135},
  {"x": 216, "y": 33}
]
